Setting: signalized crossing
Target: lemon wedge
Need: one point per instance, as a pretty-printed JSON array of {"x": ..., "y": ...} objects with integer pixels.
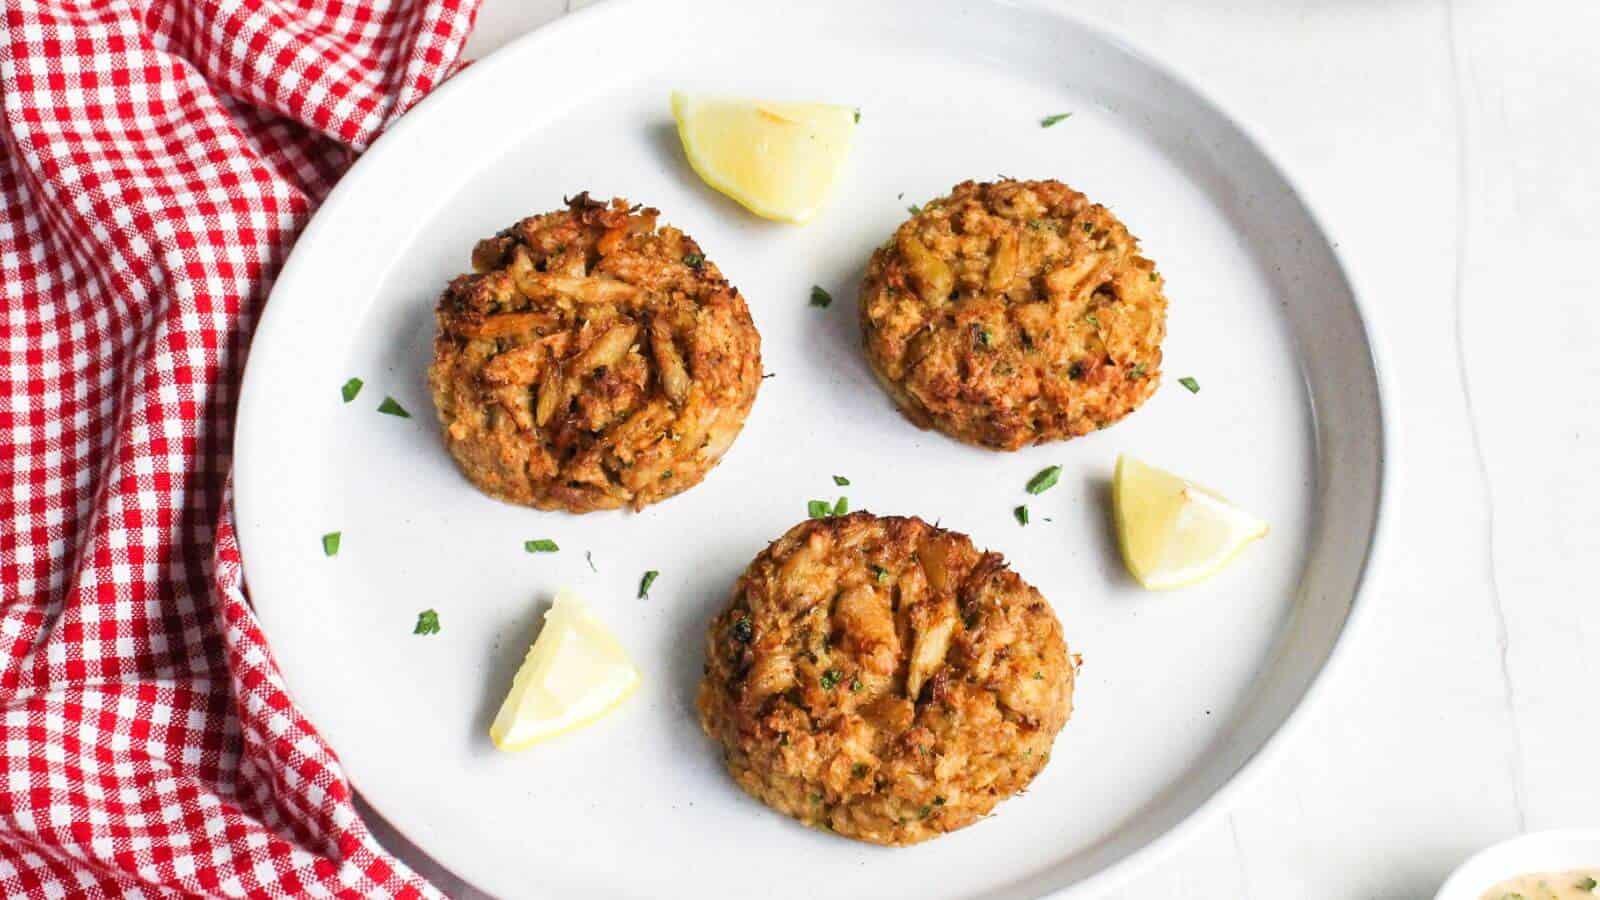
[
  {"x": 1173, "y": 532},
  {"x": 574, "y": 674},
  {"x": 779, "y": 160}
]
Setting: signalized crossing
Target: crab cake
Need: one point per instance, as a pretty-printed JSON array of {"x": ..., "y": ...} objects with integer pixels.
[
  {"x": 1014, "y": 313},
  {"x": 883, "y": 679},
  {"x": 594, "y": 360}
]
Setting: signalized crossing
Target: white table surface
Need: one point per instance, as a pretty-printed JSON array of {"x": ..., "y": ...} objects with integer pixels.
[{"x": 1453, "y": 149}]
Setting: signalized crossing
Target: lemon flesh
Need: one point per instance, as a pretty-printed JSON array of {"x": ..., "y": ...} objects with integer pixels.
[
  {"x": 574, "y": 673},
  {"x": 778, "y": 160},
  {"x": 1173, "y": 532}
]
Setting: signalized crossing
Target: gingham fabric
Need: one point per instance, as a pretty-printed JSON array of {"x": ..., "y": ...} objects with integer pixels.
[{"x": 157, "y": 158}]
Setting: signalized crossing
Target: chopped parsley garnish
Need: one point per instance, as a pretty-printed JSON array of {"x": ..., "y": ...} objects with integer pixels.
[
  {"x": 1153, "y": 276},
  {"x": 645, "y": 582},
  {"x": 1047, "y": 121},
  {"x": 914, "y": 209},
  {"x": 694, "y": 260},
  {"x": 859, "y": 770},
  {"x": 924, "y": 812},
  {"x": 588, "y": 557},
  {"x": 1021, "y": 513},
  {"x": 1190, "y": 383},
  {"x": 1045, "y": 480},
  {"x": 842, "y": 506},
  {"x": 829, "y": 679},
  {"x": 1092, "y": 319},
  {"x": 350, "y": 389},
  {"x": 1038, "y": 676},
  {"x": 1587, "y": 883},
  {"x": 391, "y": 408},
  {"x": 743, "y": 631},
  {"x": 427, "y": 622},
  {"x": 1137, "y": 371},
  {"x": 858, "y": 115},
  {"x": 1088, "y": 228},
  {"x": 330, "y": 543},
  {"x": 984, "y": 337},
  {"x": 818, "y": 509},
  {"x": 855, "y": 685},
  {"x": 819, "y": 297},
  {"x": 542, "y": 545},
  {"x": 841, "y": 481},
  {"x": 880, "y": 573}
]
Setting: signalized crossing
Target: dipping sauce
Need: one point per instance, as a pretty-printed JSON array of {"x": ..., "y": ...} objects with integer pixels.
[{"x": 1579, "y": 884}]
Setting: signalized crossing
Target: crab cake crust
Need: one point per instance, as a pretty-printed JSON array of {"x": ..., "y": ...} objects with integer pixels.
[
  {"x": 1014, "y": 313},
  {"x": 881, "y": 678},
  {"x": 594, "y": 360}
]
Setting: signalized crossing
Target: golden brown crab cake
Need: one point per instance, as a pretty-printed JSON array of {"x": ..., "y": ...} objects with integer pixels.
[
  {"x": 1014, "y": 313},
  {"x": 594, "y": 360},
  {"x": 882, "y": 679}
]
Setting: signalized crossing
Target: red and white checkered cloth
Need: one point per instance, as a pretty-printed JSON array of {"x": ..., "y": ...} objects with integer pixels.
[{"x": 157, "y": 159}]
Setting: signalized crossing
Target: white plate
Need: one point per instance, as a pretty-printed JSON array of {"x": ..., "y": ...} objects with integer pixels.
[
  {"x": 1179, "y": 691},
  {"x": 1541, "y": 851}
]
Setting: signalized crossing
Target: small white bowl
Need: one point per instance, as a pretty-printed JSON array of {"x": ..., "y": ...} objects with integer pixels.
[{"x": 1542, "y": 851}]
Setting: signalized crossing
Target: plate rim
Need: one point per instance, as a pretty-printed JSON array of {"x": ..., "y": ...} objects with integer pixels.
[{"x": 1356, "y": 620}]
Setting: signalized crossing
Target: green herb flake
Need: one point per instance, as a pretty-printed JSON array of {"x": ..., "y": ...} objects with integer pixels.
[
  {"x": 1021, "y": 513},
  {"x": 1136, "y": 372},
  {"x": 841, "y": 481},
  {"x": 914, "y": 209},
  {"x": 985, "y": 337},
  {"x": 829, "y": 679},
  {"x": 820, "y": 298},
  {"x": 350, "y": 389},
  {"x": 818, "y": 509},
  {"x": 645, "y": 582},
  {"x": 1047, "y": 121},
  {"x": 1045, "y": 480},
  {"x": 427, "y": 622},
  {"x": 542, "y": 545},
  {"x": 925, "y": 812},
  {"x": 1154, "y": 276},
  {"x": 1190, "y": 383},
  {"x": 855, "y": 685},
  {"x": 330, "y": 543},
  {"x": 743, "y": 631},
  {"x": 1038, "y": 676},
  {"x": 1587, "y": 883},
  {"x": 694, "y": 260},
  {"x": 390, "y": 407},
  {"x": 858, "y": 115},
  {"x": 1092, "y": 319},
  {"x": 859, "y": 770},
  {"x": 880, "y": 573},
  {"x": 842, "y": 506}
]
